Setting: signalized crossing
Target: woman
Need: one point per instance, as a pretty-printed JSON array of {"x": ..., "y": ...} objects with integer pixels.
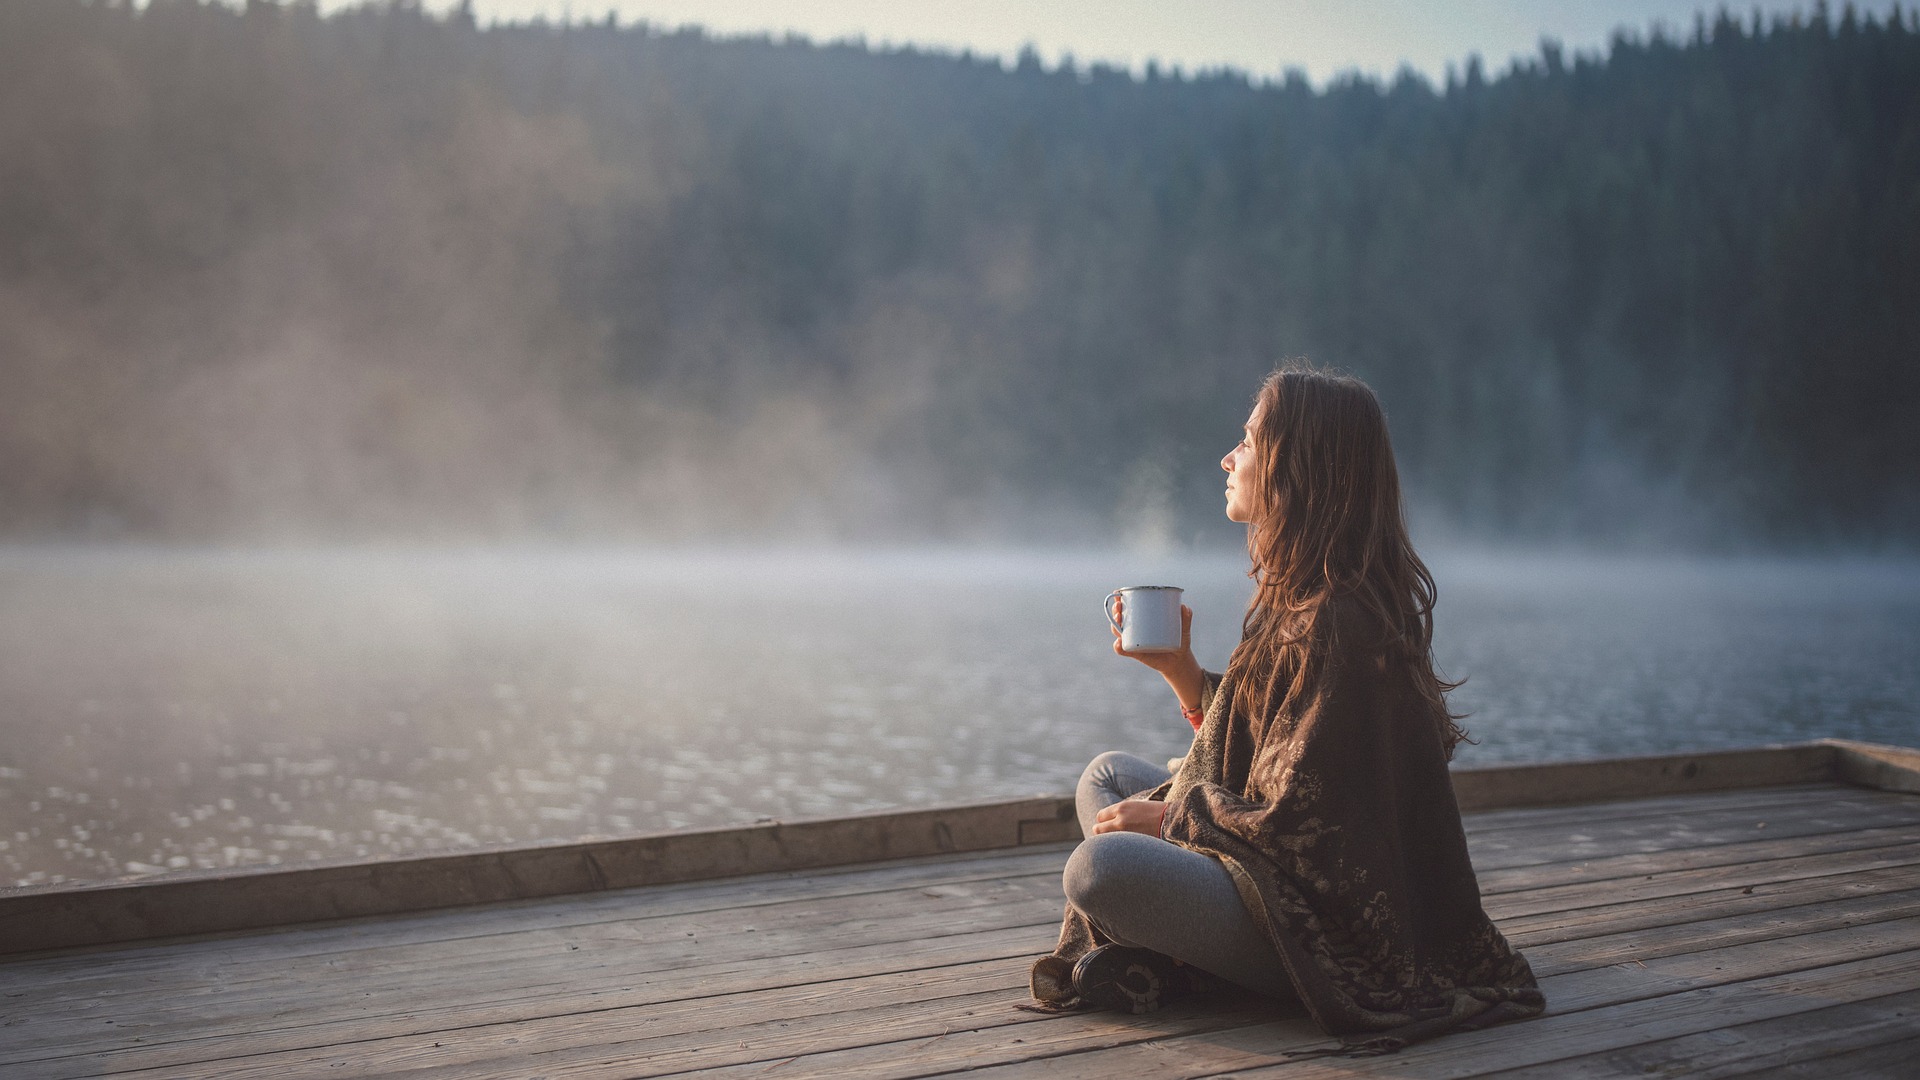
[{"x": 1309, "y": 846}]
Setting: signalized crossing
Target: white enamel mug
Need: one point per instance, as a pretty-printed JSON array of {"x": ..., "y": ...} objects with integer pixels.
[{"x": 1149, "y": 617}]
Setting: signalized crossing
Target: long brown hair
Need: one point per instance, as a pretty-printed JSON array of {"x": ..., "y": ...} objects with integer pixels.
[{"x": 1328, "y": 522}]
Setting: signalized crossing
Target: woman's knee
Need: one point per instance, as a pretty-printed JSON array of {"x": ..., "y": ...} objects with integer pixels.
[
  {"x": 1104, "y": 768},
  {"x": 1106, "y": 870}
]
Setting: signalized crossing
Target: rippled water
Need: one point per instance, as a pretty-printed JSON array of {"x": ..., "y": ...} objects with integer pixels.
[{"x": 165, "y": 710}]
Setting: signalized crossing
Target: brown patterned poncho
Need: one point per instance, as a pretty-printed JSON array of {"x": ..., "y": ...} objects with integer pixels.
[{"x": 1335, "y": 816}]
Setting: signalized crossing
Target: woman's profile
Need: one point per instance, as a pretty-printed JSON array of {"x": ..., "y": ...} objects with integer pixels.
[{"x": 1308, "y": 847}]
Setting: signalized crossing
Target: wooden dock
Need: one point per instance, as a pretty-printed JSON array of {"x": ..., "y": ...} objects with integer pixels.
[{"x": 1749, "y": 914}]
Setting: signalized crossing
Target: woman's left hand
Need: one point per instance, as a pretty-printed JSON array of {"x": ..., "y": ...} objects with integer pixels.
[{"x": 1131, "y": 815}]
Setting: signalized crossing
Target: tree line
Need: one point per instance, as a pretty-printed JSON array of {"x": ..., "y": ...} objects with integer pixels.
[{"x": 270, "y": 273}]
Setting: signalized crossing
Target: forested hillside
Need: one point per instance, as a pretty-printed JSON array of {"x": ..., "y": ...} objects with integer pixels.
[{"x": 269, "y": 275}]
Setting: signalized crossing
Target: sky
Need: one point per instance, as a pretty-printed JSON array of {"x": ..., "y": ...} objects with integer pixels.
[{"x": 1261, "y": 37}]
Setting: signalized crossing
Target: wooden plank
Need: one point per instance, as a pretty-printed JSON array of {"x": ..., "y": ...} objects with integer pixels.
[
  {"x": 971, "y": 1048},
  {"x": 1591, "y": 987},
  {"x": 1790, "y": 795},
  {"x": 47, "y": 917},
  {"x": 595, "y": 1048},
  {"x": 328, "y": 1016},
  {"x": 1717, "y": 903},
  {"x": 864, "y": 994},
  {"x": 395, "y": 981},
  {"x": 740, "y": 1027},
  {"x": 1887, "y": 1061},
  {"x": 1637, "y": 777},
  {"x": 717, "y": 930},
  {"x": 1605, "y": 837},
  {"x": 510, "y": 917},
  {"x": 1624, "y": 1005},
  {"x": 791, "y": 925},
  {"x": 1495, "y": 882},
  {"x": 1686, "y": 1006},
  {"x": 1551, "y": 898},
  {"x": 1208, "y": 1054},
  {"x": 1781, "y": 803},
  {"x": 1713, "y": 931},
  {"x": 1815, "y": 1036}
]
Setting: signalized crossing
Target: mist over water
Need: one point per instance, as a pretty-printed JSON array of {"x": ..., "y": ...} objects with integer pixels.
[{"x": 178, "y": 709}]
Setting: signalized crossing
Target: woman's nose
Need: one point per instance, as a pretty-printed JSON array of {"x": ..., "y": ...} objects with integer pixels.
[{"x": 1227, "y": 462}]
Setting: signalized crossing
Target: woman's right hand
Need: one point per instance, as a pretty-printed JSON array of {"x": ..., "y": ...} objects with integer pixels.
[{"x": 1180, "y": 669}]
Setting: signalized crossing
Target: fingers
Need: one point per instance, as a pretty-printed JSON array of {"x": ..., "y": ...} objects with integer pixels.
[
  {"x": 1107, "y": 820},
  {"x": 1130, "y": 815}
]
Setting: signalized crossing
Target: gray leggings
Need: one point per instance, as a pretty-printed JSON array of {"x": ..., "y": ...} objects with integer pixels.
[{"x": 1144, "y": 891}]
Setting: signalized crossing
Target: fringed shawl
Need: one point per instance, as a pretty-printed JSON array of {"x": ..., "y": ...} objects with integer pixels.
[{"x": 1335, "y": 816}]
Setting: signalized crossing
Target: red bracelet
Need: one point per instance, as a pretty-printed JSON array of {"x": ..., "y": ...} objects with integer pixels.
[{"x": 1192, "y": 716}]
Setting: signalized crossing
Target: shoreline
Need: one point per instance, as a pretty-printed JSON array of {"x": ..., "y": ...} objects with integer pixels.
[{"x": 37, "y": 918}]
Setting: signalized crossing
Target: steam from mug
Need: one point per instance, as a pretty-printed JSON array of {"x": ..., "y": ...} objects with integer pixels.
[{"x": 1150, "y": 617}]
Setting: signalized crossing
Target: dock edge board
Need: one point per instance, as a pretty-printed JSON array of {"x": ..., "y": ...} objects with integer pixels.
[{"x": 43, "y": 917}]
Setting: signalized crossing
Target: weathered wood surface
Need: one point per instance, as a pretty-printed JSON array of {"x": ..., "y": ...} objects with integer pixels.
[{"x": 1743, "y": 932}]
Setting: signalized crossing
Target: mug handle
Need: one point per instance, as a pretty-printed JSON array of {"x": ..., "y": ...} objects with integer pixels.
[{"x": 1111, "y": 621}]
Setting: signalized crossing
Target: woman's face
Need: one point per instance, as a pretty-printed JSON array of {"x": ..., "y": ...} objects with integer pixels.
[{"x": 1241, "y": 494}]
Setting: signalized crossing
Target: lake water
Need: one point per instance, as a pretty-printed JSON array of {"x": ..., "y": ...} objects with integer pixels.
[{"x": 164, "y": 710}]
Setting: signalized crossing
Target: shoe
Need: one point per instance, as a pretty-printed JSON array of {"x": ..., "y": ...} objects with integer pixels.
[{"x": 1128, "y": 980}]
